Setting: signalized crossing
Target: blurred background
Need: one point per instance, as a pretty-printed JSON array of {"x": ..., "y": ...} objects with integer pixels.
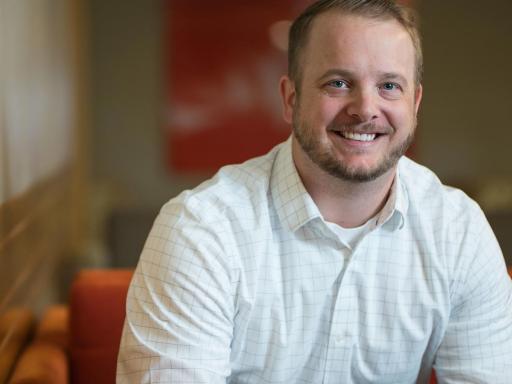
[{"x": 110, "y": 108}]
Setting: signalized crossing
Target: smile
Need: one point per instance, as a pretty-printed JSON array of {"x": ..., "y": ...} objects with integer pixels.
[{"x": 359, "y": 136}]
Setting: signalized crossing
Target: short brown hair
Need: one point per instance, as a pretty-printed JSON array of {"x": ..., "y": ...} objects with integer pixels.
[{"x": 375, "y": 9}]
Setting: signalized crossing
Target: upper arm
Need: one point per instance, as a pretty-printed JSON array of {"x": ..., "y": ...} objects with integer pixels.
[
  {"x": 477, "y": 345},
  {"x": 178, "y": 325}
]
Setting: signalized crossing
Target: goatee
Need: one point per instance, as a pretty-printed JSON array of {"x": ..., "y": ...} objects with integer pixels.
[{"x": 325, "y": 156}]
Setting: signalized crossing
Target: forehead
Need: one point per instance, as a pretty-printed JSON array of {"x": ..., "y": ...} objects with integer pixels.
[{"x": 358, "y": 44}]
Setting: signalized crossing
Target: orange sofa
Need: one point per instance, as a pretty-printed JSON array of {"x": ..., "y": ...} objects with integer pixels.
[
  {"x": 97, "y": 304},
  {"x": 82, "y": 348},
  {"x": 45, "y": 359},
  {"x": 78, "y": 343}
]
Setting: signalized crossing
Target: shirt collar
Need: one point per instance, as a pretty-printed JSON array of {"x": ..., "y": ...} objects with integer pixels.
[
  {"x": 295, "y": 207},
  {"x": 396, "y": 206}
]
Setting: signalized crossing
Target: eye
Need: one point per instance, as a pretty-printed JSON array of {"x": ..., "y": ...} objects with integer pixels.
[
  {"x": 391, "y": 87},
  {"x": 390, "y": 90},
  {"x": 339, "y": 84}
]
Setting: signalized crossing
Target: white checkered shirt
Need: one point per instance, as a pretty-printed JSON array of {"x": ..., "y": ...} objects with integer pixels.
[{"x": 242, "y": 281}]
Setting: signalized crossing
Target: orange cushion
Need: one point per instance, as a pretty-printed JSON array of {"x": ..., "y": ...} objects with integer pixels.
[
  {"x": 42, "y": 363},
  {"x": 98, "y": 300},
  {"x": 16, "y": 327},
  {"x": 53, "y": 328}
]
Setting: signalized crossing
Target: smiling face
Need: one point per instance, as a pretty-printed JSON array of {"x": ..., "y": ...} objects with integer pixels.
[{"x": 355, "y": 114}]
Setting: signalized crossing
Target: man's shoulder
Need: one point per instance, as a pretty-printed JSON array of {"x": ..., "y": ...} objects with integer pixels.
[
  {"x": 235, "y": 190},
  {"x": 426, "y": 191}
]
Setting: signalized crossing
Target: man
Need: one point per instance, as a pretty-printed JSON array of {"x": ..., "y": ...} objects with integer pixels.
[{"x": 333, "y": 258}]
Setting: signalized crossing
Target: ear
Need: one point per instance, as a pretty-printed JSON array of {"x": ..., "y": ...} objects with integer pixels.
[
  {"x": 288, "y": 97},
  {"x": 418, "y": 94}
]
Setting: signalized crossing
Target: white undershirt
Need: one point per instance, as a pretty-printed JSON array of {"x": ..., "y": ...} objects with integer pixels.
[{"x": 351, "y": 236}]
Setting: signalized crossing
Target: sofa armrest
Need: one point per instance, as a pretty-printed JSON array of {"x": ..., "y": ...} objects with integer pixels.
[{"x": 97, "y": 304}]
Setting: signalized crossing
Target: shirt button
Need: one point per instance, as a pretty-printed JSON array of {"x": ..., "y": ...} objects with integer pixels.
[{"x": 339, "y": 338}]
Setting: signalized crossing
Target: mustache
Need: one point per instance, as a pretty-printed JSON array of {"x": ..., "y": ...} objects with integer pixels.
[{"x": 359, "y": 128}]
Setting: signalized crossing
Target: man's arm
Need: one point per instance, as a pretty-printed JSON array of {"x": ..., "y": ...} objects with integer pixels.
[
  {"x": 477, "y": 345},
  {"x": 178, "y": 325}
]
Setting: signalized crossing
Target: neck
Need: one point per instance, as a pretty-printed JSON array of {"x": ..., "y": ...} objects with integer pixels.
[{"x": 346, "y": 203}]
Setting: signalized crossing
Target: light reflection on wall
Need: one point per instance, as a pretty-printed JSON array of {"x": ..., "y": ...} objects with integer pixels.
[{"x": 37, "y": 96}]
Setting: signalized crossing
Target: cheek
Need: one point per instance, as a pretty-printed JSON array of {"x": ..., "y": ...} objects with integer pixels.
[
  {"x": 322, "y": 111},
  {"x": 315, "y": 117},
  {"x": 400, "y": 116}
]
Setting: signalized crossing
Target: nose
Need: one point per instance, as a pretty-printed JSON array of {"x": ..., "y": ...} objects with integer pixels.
[{"x": 363, "y": 106}]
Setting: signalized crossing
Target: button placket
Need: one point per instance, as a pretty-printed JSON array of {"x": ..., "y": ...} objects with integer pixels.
[{"x": 339, "y": 349}]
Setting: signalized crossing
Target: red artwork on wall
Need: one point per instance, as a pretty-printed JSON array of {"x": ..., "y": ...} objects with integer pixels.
[{"x": 224, "y": 64}]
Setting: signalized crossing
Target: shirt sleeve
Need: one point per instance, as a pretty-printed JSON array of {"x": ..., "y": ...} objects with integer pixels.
[
  {"x": 477, "y": 345},
  {"x": 179, "y": 309}
]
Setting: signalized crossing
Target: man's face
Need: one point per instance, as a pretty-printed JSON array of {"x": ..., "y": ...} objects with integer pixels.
[{"x": 355, "y": 113}]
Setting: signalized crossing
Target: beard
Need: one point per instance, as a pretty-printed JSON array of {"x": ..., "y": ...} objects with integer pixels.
[{"x": 324, "y": 155}]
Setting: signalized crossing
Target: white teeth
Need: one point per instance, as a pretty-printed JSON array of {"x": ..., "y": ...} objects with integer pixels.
[{"x": 359, "y": 136}]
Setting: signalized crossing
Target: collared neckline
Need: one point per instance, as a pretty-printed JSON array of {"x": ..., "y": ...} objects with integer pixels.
[
  {"x": 397, "y": 204},
  {"x": 295, "y": 206},
  {"x": 293, "y": 203}
]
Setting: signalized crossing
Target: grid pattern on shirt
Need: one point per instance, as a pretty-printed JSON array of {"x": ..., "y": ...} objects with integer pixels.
[{"x": 242, "y": 281}]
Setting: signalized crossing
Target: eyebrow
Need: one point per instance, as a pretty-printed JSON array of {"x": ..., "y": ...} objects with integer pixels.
[
  {"x": 393, "y": 76},
  {"x": 349, "y": 74},
  {"x": 336, "y": 72}
]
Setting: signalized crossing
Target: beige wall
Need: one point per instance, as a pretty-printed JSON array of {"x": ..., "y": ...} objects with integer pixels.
[
  {"x": 37, "y": 106},
  {"x": 39, "y": 126},
  {"x": 465, "y": 126},
  {"x": 127, "y": 101}
]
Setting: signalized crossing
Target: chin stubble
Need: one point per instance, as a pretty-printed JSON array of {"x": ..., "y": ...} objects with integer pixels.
[{"x": 326, "y": 160}]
